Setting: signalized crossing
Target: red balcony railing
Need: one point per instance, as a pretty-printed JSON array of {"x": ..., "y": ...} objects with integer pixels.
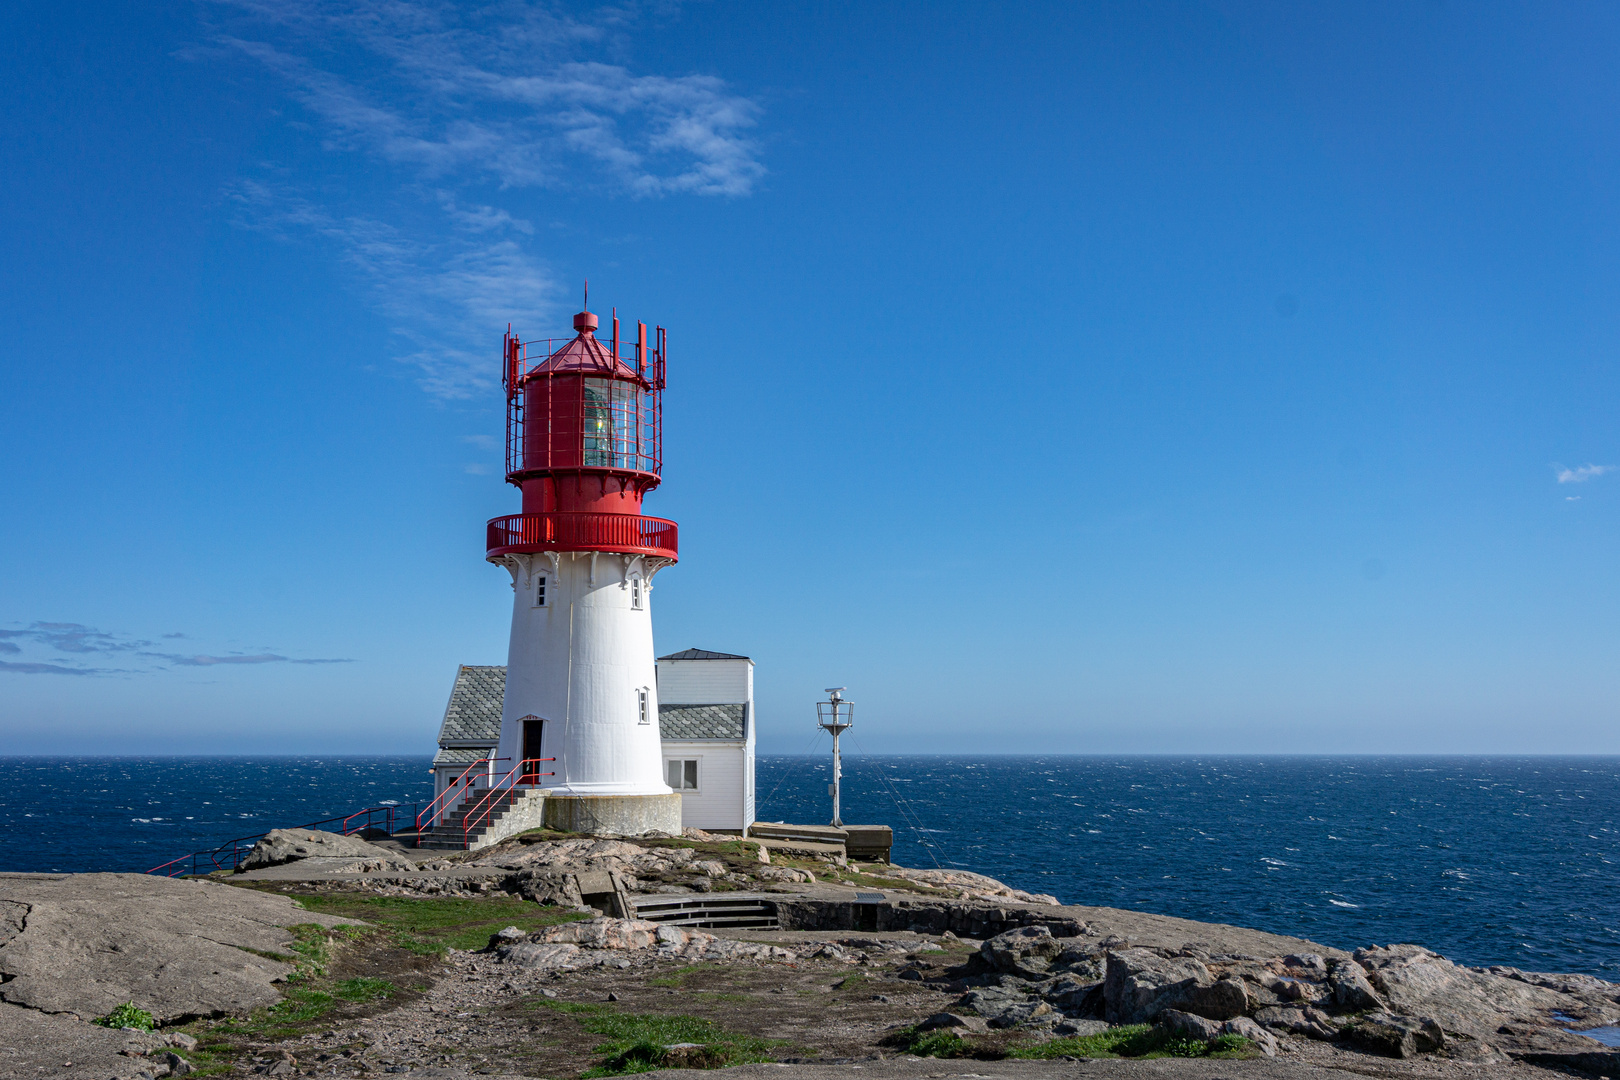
[{"x": 630, "y": 534}]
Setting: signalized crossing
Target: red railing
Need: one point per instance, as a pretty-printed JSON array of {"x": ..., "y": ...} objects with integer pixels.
[
  {"x": 524, "y": 772},
  {"x": 630, "y": 534},
  {"x": 438, "y": 804},
  {"x": 228, "y": 856}
]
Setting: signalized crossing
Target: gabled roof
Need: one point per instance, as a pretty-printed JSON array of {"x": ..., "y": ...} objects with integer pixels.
[
  {"x": 702, "y": 721},
  {"x": 702, "y": 654},
  {"x": 473, "y": 717}
]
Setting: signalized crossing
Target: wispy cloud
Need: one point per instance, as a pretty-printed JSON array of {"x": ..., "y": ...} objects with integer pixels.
[
  {"x": 256, "y": 658},
  {"x": 46, "y": 669},
  {"x": 499, "y": 97},
  {"x": 1581, "y": 473},
  {"x": 76, "y": 639}
]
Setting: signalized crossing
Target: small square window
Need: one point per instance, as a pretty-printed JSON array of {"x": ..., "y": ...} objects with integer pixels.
[
  {"x": 643, "y": 706},
  {"x": 635, "y": 593},
  {"x": 540, "y": 591},
  {"x": 682, "y": 775}
]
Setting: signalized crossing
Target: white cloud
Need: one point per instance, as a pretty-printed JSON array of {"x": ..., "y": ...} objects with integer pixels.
[
  {"x": 1582, "y": 473},
  {"x": 493, "y": 95}
]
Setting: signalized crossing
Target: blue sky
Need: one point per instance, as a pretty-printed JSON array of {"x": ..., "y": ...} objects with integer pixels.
[{"x": 1177, "y": 377}]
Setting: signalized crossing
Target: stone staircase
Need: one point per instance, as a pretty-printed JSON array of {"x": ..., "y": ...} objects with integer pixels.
[{"x": 504, "y": 813}]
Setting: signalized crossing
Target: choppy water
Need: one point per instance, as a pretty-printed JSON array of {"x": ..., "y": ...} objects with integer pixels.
[{"x": 1487, "y": 860}]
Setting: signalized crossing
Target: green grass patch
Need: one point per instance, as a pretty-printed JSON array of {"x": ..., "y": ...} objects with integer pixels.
[
  {"x": 677, "y": 977},
  {"x": 428, "y": 927},
  {"x": 128, "y": 1015},
  {"x": 641, "y": 1042},
  {"x": 1132, "y": 1041},
  {"x": 365, "y": 989},
  {"x": 583, "y": 1007}
]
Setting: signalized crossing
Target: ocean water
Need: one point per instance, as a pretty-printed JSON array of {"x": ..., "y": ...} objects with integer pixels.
[{"x": 1486, "y": 860}]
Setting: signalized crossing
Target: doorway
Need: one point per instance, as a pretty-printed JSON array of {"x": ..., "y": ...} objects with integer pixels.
[{"x": 534, "y": 733}]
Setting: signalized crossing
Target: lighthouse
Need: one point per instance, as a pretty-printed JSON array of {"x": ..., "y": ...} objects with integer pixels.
[{"x": 579, "y": 734}]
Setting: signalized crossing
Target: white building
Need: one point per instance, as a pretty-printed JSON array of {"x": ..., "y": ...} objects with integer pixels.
[{"x": 705, "y": 720}]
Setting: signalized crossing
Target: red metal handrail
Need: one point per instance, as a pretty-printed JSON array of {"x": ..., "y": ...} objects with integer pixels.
[
  {"x": 486, "y": 806},
  {"x": 450, "y": 788},
  {"x": 233, "y": 850},
  {"x": 630, "y": 534}
]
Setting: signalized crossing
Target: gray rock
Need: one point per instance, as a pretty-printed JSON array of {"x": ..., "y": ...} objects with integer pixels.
[
  {"x": 180, "y": 1040},
  {"x": 1245, "y": 1028},
  {"x": 1396, "y": 1036},
  {"x": 35, "y": 1044},
  {"x": 178, "y": 1066},
  {"x": 510, "y": 936},
  {"x": 1074, "y": 1028},
  {"x": 1352, "y": 991},
  {"x": 1141, "y": 984},
  {"x": 529, "y": 954},
  {"x": 289, "y": 845},
  {"x": 1071, "y": 996},
  {"x": 175, "y": 948},
  {"x": 1021, "y": 1014},
  {"x": 950, "y": 1020},
  {"x": 1186, "y": 1025},
  {"x": 1308, "y": 1022},
  {"x": 1027, "y": 952},
  {"x": 1416, "y": 982},
  {"x": 1309, "y": 963}
]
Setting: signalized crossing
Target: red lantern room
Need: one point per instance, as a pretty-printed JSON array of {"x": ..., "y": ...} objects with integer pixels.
[{"x": 584, "y": 443}]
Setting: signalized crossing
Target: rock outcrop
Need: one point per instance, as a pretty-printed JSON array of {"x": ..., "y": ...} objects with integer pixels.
[
  {"x": 86, "y": 943},
  {"x": 1140, "y": 984},
  {"x": 280, "y": 846}
]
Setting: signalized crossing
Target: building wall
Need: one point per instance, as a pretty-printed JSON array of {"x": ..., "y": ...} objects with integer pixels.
[
  {"x": 723, "y": 768},
  {"x": 705, "y": 682}
]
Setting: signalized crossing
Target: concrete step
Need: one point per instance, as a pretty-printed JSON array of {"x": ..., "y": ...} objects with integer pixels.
[{"x": 702, "y": 910}]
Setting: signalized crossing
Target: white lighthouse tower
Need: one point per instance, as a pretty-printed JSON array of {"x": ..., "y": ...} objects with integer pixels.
[{"x": 584, "y": 443}]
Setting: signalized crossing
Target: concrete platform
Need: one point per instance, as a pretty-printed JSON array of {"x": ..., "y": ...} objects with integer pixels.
[{"x": 614, "y": 815}]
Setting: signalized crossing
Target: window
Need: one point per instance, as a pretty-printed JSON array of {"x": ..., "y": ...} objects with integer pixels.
[
  {"x": 540, "y": 591},
  {"x": 643, "y": 709},
  {"x": 635, "y": 593},
  {"x": 682, "y": 775}
]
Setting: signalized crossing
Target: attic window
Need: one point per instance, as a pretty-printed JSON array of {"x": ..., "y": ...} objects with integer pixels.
[
  {"x": 635, "y": 593},
  {"x": 643, "y": 712},
  {"x": 540, "y": 591}
]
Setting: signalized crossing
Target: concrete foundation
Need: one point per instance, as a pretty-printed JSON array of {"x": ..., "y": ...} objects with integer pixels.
[{"x": 614, "y": 815}]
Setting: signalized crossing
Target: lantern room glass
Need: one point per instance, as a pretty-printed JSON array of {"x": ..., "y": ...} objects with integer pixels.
[{"x": 618, "y": 420}]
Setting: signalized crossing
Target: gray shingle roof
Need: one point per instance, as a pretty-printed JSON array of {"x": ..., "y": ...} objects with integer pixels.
[
  {"x": 473, "y": 717},
  {"x": 459, "y": 755},
  {"x": 702, "y": 721},
  {"x": 472, "y": 720},
  {"x": 702, "y": 654}
]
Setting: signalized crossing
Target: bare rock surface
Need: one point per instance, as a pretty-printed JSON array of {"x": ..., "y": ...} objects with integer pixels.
[
  {"x": 1141, "y": 984},
  {"x": 292, "y": 845},
  {"x": 86, "y": 943},
  {"x": 39, "y": 1044}
]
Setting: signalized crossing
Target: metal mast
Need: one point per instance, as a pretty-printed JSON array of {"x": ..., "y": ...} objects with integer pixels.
[{"x": 837, "y": 716}]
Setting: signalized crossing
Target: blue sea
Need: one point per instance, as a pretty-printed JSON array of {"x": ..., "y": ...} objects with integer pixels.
[{"x": 1487, "y": 860}]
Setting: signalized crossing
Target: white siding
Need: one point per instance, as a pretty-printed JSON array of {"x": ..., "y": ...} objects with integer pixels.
[
  {"x": 722, "y": 776},
  {"x": 705, "y": 682}
]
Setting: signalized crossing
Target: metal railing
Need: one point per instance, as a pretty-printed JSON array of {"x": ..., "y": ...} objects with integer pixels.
[
  {"x": 232, "y": 851},
  {"x": 631, "y": 534},
  {"x": 485, "y": 808},
  {"x": 438, "y": 804}
]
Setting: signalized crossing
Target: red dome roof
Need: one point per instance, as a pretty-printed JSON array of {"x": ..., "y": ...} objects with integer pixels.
[{"x": 587, "y": 355}]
